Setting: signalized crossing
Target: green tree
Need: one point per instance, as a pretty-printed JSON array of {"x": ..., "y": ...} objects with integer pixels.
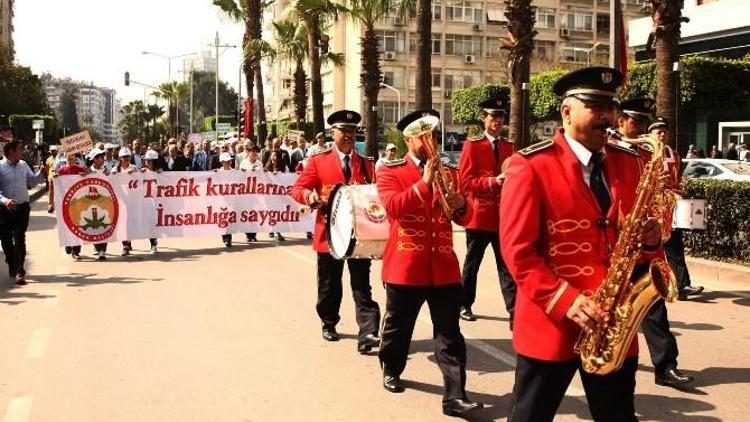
[
  {"x": 204, "y": 99},
  {"x": 367, "y": 13},
  {"x": 521, "y": 19},
  {"x": 290, "y": 43},
  {"x": 133, "y": 123},
  {"x": 68, "y": 111},
  {"x": 314, "y": 15},
  {"x": 21, "y": 91},
  {"x": 172, "y": 92}
]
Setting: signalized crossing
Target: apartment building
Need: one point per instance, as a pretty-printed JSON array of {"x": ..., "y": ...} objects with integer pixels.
[
  {"x": 97, "y": 107},
  {"x": 203, "y": 62},
  {"x": 6, "y": 24},
  {"x": 467, "y": 40}
]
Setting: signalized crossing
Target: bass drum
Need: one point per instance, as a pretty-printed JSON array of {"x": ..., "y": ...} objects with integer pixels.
[
  {"x": 357, "y": 225},
  {"x": 690, "y": 214}
]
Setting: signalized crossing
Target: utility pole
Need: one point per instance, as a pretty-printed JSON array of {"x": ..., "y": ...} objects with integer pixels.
[{"x": 216, "y": 111}]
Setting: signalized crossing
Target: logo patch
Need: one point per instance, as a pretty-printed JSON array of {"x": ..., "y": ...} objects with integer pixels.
[
  {"x": 90, "y": 209},
  {"x": 607, "y": 77}
]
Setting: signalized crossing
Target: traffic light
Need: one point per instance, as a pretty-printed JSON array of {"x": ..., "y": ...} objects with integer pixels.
[{"x": 127, "y": 78}]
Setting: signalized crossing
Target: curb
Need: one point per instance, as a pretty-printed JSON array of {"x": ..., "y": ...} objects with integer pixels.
[{"x": 704, "y": 269}]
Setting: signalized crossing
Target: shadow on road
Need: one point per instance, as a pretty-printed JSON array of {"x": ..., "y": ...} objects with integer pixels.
[
  {"x": 82, "y": 280},
  {"x": 699, "y": 326},
  {"x": 483, "y": 365},
  {"x": 42, "y": 223},
  {"x": 496, "y": 407},
  {"x": 167, "y": 254},
  {"x": 11, "y": 295},
  {"x": 713, "y": 296}
]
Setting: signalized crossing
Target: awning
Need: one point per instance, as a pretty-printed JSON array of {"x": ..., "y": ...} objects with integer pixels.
[{"x": 496, "y": 16}]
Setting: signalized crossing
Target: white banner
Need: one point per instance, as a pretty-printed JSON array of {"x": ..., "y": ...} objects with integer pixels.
[{"x": 101, "y": 209}]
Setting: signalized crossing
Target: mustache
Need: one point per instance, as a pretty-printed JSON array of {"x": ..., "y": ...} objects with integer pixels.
[{"x": 603, "y": 126}]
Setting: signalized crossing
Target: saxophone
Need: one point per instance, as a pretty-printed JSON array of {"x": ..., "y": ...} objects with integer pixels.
[
  {"x": 445, "y": 179},
  {"x": 626, "y": 302}
]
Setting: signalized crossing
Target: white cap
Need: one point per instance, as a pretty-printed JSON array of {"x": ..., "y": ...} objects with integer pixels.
[
  {"x": 151, "y": 155},
  {"x": 110, "y": 146},
  {"x": 390, "y": 146},
  {"x": 124, "y": 152},
  {"x": 214, "y": 144},
  {"x": 94, "y": 152},
  {"x": 225, "y": 156},
  {"x": 53, "y": 147}
]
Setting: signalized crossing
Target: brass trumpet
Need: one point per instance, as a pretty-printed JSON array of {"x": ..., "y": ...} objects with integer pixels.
[{"x": 445, "y": 179}]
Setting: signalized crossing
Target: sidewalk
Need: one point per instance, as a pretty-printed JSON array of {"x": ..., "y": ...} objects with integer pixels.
[{"x": 719, "y": 272}]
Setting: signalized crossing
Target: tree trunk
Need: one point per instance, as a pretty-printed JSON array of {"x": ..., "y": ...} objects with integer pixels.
[
  {"x": 370, "y": 81},
  {"x": 261, "y": 104},
  {"x": 667, "y": 19},
  {"x": 316, "y": 84},
  {"x": 521, "y": 45},
  {"x": 300, "y": 94},
  {"x": 247, "y": 67},
  {"x": 423, "y": 93}
]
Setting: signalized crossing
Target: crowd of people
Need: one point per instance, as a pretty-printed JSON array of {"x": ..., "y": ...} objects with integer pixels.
[{"x": 733, "y": 152}]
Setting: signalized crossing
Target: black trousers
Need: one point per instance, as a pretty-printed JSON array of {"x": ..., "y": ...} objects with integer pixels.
[
  {"x": 13, "y": 225},
  {"x": 330, "y": 293},
  {"x": 540, "y": 387},
  {"x": 674, "y": 248},
  {"x": 476, "y": 243},
  {"x": 401, "y": 311},
  {"x": 662, "y": 345}
]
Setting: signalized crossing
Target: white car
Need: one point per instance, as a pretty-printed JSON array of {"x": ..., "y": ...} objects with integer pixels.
[{"x": 707, "y": 168}]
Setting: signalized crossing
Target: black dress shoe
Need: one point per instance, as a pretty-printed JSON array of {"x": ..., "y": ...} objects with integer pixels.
[
  {"x": 393, "y": 384},
  {"x": 366, "y": 344},
  {"x": 466, "y": 314},
  {"x": 460, "y": 407},
  {"x": 691, "y": 291},
  {"x": 672, "y": 377},
  {"x": 330, "y": 334}
]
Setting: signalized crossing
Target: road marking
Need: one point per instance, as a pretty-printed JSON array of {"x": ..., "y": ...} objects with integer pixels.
[
  {"x": 480, "y": 345},
  {"x": 38, "y": 343},
  {"x": 53, "y": 298},
  {"x": 19, "y": 409}
]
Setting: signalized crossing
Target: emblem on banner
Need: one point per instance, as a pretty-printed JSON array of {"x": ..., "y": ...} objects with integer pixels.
[{"x": 90, "y": 209}]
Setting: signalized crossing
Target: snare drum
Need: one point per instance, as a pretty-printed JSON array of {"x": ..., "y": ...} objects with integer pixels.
[
  {"x": 690, "y": 214},
  {"x": 357, "y": 225}
]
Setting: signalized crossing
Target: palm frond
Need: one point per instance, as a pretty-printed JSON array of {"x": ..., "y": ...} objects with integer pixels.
[{"x": 233, "y": 8}]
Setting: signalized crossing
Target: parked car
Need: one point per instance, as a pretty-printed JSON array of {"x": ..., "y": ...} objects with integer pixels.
[{"x": 707, "y": 168}]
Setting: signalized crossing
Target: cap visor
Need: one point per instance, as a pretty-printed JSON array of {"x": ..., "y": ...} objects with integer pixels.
[{"x": 598, "y": 99}]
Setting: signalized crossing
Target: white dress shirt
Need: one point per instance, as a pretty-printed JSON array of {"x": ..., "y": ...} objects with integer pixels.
[{"x": 584, "y": 156}]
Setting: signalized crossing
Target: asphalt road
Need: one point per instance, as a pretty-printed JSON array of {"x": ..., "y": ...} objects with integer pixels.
[{"x": 199, "y": 332}]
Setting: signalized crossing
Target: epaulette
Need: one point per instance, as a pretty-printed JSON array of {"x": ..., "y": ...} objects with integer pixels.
[
  {"x": 476, "y": 138},
  {"x": 645, "y": 147},
  {"x": 451, "y": 166},
  {"x": 622, "y": 148},
  {"x": 395, "y": 163},
  {"x": 369, "y": 158},
  {"x": 508, "y": 141},
  {"x": 321, "y": 151},
  {"x": 536, "y": 147}
]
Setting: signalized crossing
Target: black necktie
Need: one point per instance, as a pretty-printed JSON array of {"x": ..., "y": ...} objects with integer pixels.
[
  {"x": 421, "y": 167},
  {"x": 347, "y": 169},
  {"x": 597, "y": 182},
  {"x": 496, "y": 151}
]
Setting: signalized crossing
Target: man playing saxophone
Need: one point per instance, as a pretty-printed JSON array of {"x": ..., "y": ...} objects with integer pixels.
[{"x": 562, "y": 201}]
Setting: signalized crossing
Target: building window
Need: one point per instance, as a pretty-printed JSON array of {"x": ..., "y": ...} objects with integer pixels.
[
  {"x": 578, "y": 21},
  {"x": 388, "y": 112},
  {"x": 640, "y": 2},
  {"x": 459, "y": 79},
  {"x": 575, "y": 52},
  {"x": 545, "y": 17},
  {"x": 437, "y": 11},
  {"x": 459, "y": 45},
  {"x": 493, "y": 47},
  {"x": 464, "y": 11},
  {"x": 602, "y": 23},
  {"x": 391, "y": 41},
  {"x": 393, "y": 76},
  {"x": 544, "y": 50},
  {"x": 436, "y": 43},
  {"x": 436, "y": 79}
]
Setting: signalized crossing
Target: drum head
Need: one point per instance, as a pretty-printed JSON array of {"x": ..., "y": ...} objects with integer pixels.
[{"x": 341, "y": 222}]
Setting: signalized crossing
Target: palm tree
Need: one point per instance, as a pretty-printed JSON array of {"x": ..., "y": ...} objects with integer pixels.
[
  {"x": 291, "y": 44},
  {"x": 667, "y": 17},
  {"x": 521, "y": 19},
  {"x": 172, "y": 91},
  {"x": 153, "y": 113},
  {"x": 423, "y": 89},
  {"x": 367, "y": 13},
  {"x": 314, "y": 15}
]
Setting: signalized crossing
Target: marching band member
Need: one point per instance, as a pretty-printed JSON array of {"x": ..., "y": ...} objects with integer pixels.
[
  {"x": 560, "y": 207},
  {"x": 633, "y": 122},
  {"x": 419, "y": 265},
  {"x": 324, "y": 170},
  {"x": 481, "y": 179}
]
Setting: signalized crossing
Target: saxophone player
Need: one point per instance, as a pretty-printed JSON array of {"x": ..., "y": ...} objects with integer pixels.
[
  {"x": 635, "y": 120},
  {"x": 419, "y": 264},
  {"x": 560, "y": 206}
]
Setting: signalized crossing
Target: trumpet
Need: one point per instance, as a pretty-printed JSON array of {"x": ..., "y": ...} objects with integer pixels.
[{"x": 445, "y": 180}]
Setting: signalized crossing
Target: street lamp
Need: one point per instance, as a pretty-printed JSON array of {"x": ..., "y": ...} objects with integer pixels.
[
  {"x": 589, "y": 51},
  {"x": 169, "y": 59},
  {"x": 216, "y": 45},
  {"x": 398, "y": 98}
]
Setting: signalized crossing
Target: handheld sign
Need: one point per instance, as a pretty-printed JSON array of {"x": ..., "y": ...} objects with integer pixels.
[{"x": 77, "y": 143}]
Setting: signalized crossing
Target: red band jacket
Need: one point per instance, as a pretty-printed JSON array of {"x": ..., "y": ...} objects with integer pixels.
[
  {"x": 556, "y": 243},
  {"x": 419, "y": 251},
  {"x": 478, "y": 170},
  {"x": 323, "y": 171}
]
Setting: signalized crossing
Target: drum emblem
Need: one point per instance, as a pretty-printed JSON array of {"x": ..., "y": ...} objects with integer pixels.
[{"x": 375, "y": 212}]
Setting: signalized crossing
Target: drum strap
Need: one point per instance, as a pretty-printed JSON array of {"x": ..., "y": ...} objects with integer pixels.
[{"x": 363, "y": 170}]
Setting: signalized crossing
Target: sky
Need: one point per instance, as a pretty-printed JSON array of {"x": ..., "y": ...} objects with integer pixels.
[{"x": 98, "y": 40}]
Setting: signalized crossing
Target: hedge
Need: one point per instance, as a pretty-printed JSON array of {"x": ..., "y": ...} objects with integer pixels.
[
  {"x": 22, "y": 124},
  {"x": 727, "y": 234}
]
